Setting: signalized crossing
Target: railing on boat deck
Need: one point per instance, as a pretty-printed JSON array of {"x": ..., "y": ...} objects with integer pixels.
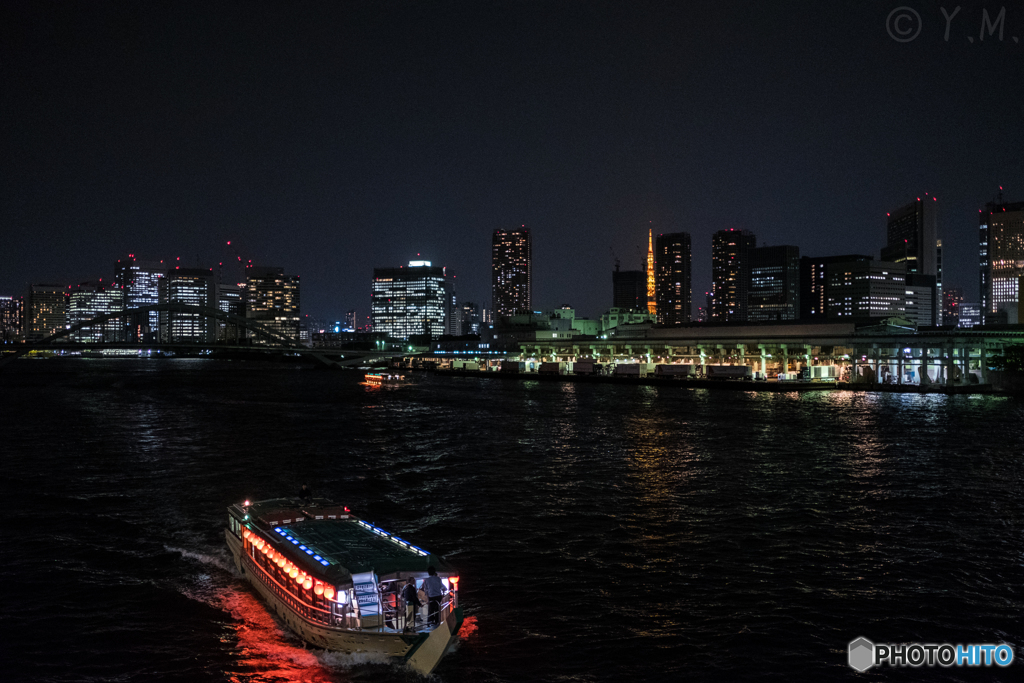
[{"x": 393, "y": 608}]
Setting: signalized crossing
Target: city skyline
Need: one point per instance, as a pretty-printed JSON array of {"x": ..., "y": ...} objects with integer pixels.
[{"x": 635, "y": 121}]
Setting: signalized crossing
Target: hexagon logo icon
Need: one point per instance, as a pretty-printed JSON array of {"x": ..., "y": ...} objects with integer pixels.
[{"x": 861, "y": 654}]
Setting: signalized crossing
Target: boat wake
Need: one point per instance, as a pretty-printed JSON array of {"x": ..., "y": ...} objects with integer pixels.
[{"x": 265, "y": 650}]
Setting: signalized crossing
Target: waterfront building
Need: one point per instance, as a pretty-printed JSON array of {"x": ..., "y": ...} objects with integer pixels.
[
  {"x": 140, "y": 281},
  {"x": 730, "y": 273},
  {"x": 272, "y": 300},
  {"x": 470, "y": 313},
  {"x": 90, "y": 300},
  {"x": 814, "y": 284},
  {"x": 911, "y": 237},
  {"x": 230, "y": 299},
  {"x": 860, "y": 290},
  {"x": 1001, "y": 231},
  {"x": 411, "y": 300},
  {"x": 774, "y": 291},
  {"x": 629, "y": 289},
  {"x": 10, "y": 318},
  {"x": 194, "y": 287},
  {"x": 45, "y": 311},
  {"x": 952, "y": 299},
  {"x": 511, "y": 271},
  {"x": 919, "y": 300},
  {"x": 672, "y": 263},
  {"x": 937, "y": 312}
]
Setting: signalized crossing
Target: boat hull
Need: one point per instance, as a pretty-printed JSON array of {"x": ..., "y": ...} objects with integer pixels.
[{"x": 421, "y": 651}]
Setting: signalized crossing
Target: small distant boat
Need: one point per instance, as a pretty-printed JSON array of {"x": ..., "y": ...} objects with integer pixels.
[
  {"x": 378, "y": 379},
  {"x": 336, "y": 580}
]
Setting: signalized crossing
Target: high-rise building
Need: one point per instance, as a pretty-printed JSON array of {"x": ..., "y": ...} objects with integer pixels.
[
  {"x": 194, "y": 287},
  {"x": 629, "y": 289},
  {"x": 90, "y": 300},
  {"x": 652, "y": 301},
  {"x": 452, "y": 314},
  {"x": 511, "y": 272},
  {"x": 1001, "y": 227},
  {"x": 862, "y": 290},
  {"x": 814, "y": 284},
  {"x": 10, "y": 318},
  {"x": 730, "y": 274},
  {"x": 140, "y": 281},
  {"x": 272, "y": 299},
  {"x": 672, "y": 264},
  {"x": 45, "y": 311},
  {"x": 410, "y": 301},
  {"x": 970, "y": 315},
  {"x": 937, "y": 313},
  {"x": 952, "y": 299},
  {"x": 911, "y": 237},
  {"x": 351, "y": 320},
  {"x": 774, "y": 293},
  {"x": 470, "y": 318},
  {"x": 230, "y": 299}
]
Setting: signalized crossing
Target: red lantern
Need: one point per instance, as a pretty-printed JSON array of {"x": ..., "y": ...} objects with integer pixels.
[
  {"x": 308, "y": 583},
  {"x": 318, "y": 589},
  {"x": 329, "y": 592}
]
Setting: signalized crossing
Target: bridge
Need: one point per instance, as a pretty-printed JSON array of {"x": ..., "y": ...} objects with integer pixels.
[{"x": 274, "y": 342}]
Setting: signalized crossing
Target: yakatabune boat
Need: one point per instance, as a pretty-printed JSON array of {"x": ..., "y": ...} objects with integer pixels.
[{"x": 336, "y": 580}]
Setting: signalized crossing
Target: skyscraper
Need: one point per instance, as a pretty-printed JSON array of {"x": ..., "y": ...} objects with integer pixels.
[
  {"x": 194, "y": 287},
  {"x": 672, "y": 264},
  {"x": 774, "y": 293},
  {"x": 90, "y": 300},
  {"x": 652, "y": 303},
  {"x": 45, "y": 309},
  {"x": 814, "y": 284},
  {"x": 862, "y": 290},
  {"x": 410, "y": 301},
  {"x": 272, "y": 299},
  {"x": 511, "y": 271},
  {"x": 140, "y": 281},
  {"x": 730, "y": 274},
  {"x": 470, "y": 317},
  {"x": 10, "y": 318},
  {"x": 629, "y": 289},
  {"x": 1002, "y": 256},
  {"x": 911, "y": 238},
  {"x": 230, "y": 300},
  {"x": 952, "y": 299}
]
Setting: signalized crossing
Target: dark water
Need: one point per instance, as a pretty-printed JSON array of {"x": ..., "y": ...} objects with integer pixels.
[{"x": 603, "y": 533}]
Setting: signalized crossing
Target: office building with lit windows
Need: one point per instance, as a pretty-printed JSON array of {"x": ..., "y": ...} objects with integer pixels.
[
  {"x": 511, "y": 272},
  {"x": 230, "y": 299},
  {"x": 814, "y": 284},
  {"x": 45, "y": 311},
  {"x": 730, "y": 274},
  {"x": 272, "y": 299},
  {"x": 10, "y": 318},
  {"x": 90, "y": 300},
  {"x": 911, "y": 237},
  {"x": 774, "y": 293},
  {"x": 411, "y": 300},
  {"x": 194, "y": 287},
  {"x": 952, "y": 300},
  {"x": 1001, "y": 228},
  {"x": 859, "y": 291},
  {"x": 672, "y": 278},
  {"x": 470, "y": 317},
  {"x": 140, "y": 281}
]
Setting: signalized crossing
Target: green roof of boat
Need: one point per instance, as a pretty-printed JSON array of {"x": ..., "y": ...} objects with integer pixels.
[{"x": 348, "y": 546}]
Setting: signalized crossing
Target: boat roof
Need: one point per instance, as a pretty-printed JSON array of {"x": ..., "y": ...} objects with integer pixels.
[{"x": 332, "y": 542}]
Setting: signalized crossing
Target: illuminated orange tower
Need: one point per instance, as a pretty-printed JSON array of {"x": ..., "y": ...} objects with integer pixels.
[{"x": 652, "y": 307}]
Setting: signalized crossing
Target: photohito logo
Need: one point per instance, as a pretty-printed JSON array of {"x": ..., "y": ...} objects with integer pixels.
[{"x": 862, "y": 654}]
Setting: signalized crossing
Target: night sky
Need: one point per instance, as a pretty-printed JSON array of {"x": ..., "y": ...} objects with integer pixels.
[{"x": 331, "y": 138}]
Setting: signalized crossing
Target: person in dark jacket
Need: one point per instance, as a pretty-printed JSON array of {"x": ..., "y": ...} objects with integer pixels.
[
  {"x": 306, "y": 494},
  {"x": 412, "y": 603}
]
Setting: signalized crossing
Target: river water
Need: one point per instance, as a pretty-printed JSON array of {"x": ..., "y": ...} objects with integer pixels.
[{"x": 602, "y": 532}]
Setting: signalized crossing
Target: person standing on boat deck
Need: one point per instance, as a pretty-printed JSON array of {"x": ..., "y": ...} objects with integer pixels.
[
  {"x": 411, "y": 603},
  {"x": 435, "y": 589},
  {"x": 306, "y": 494}
]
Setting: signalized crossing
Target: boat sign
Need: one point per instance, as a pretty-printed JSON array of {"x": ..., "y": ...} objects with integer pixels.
[{"x": 365, "y": 588}]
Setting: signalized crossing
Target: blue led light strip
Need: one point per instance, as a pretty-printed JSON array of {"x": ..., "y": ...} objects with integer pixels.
[
  {"x": 306, "y": 549},
  {"x": 393, "y": 538}
]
